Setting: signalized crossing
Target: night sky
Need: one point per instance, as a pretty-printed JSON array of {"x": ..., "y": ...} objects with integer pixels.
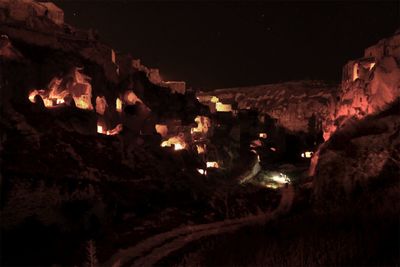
[{"x": 226, "y": 44}]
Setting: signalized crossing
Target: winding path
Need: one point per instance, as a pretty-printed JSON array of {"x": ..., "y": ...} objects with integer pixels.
[{"x": 149, "y": 251}]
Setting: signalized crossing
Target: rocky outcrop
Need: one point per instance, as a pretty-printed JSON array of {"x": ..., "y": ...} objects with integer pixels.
[
  {"x": 360, "y": 164},
  {"x": 41, "y": 50},
  {"x": 23, "y": 10},
  {"x": 292, "y": 104},
  {"x": 42, "y": 24},
  {"x": 369, "y": 84}
]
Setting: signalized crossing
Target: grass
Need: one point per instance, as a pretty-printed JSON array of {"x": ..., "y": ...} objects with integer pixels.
[{"x": 304, "y": 239}]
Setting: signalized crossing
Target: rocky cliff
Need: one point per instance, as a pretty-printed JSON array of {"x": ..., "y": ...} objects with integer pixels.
[
  {"x": 42, "y": 49},
  {"x": 293, "y": 104},
  {"x": 358, "y": 168},
  {"x": 369, "y": 84}
]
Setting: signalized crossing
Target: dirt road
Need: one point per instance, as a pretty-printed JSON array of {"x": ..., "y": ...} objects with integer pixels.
[{"x": 151, "y": 250}]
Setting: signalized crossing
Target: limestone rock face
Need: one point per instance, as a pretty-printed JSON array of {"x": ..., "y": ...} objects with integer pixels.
[
  {"x": 361, "y": 159},
  {"x": 293, "y": 104},
  {"x": 41, "y": 50},
  {"x": 7, "y": 51},
  {"x": 23, "y": 10},
  {"x": 369, "y": 84}
]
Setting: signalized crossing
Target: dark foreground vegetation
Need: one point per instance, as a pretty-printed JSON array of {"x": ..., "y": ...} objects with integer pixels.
[{"x": 305, "y": 239}]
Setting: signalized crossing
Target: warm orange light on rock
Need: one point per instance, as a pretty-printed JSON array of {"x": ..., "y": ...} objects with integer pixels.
[
  {"x": 214, "y": 99},
  {"x": 202, "y": 171},
  {"x": 131, "y": 98},
  {"x": 220, "y": 107},
  {"x": 307, "y": 154},
  {"x": 203, "y": 124},
  {"x": 212, "y": 164},
  {"x": 255, "y": 143},
  {"x": 263, "y": 135},
  {"x": 355, "y": 71},
  {"x": 118, "y": 104},
  {"x": 101, "y": 105},
  {"x": 201, "y": 149},
  {"x": 76, "y": 84},
  {"x": 176, "y": 141},
  {"x": 102, "y": 129},
  {"x": 162, "y": 129},
  {"x": 32, "y": 95}
]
